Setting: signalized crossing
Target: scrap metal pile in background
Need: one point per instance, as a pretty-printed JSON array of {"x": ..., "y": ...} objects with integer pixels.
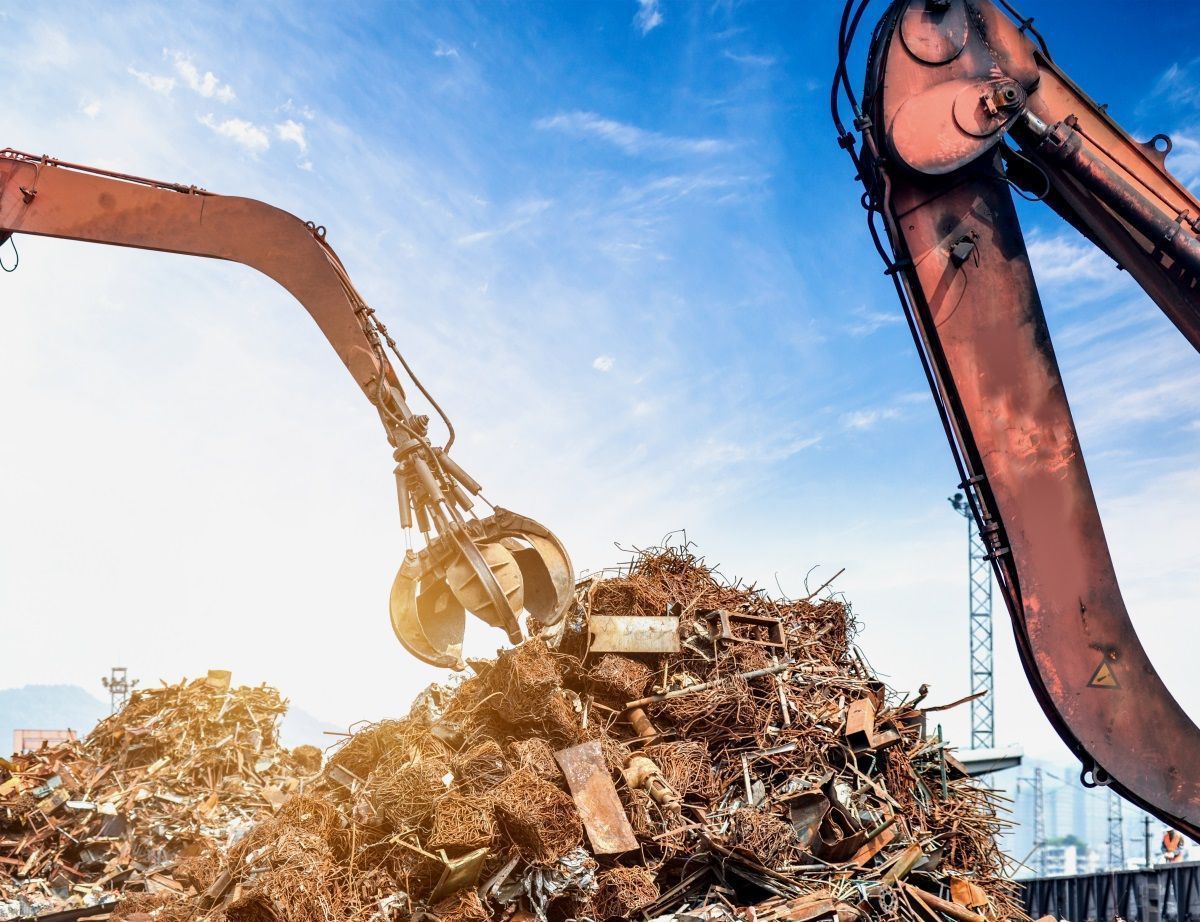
[
  {"x": 689, "y": 749},
  {"x": 136, "y": 804}
]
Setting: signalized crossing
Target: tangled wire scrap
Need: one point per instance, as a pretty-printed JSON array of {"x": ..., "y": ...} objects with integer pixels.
[{"x": 805, "y": 790}]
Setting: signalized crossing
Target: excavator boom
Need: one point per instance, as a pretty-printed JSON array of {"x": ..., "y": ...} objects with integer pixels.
[
  {"x": 493, "y": 567},
  {"x": 961, "y": 105}
]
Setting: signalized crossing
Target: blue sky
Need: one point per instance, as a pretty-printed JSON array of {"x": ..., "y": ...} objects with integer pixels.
[{"x": 619, "y": 243}]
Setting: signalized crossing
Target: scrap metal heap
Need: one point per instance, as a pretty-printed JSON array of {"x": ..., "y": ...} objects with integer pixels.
[
  {"x": 136, "y": 804},
  {"x": 687, "y": 749}
]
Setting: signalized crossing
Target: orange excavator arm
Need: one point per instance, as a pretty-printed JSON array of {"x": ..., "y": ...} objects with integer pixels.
[
  {"x": 962, "y": 102},
  {"x": 493, "y": 567}
]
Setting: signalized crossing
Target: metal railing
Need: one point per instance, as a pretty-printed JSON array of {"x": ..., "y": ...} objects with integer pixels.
[{"x": 1168, "y": 893}]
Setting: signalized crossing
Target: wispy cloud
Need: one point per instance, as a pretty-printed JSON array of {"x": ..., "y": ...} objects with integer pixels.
[
  {"x": 247, "y": 135},
  {"x": 204, "y": 84},
  {"x": 90, "y": 108},
  {"x": 1123, "y": 321},
  {"x": 750, "y": 60},
  {"x": 866, "y": 321},
  {"x": 632, "y": 220},
  {"x": 444, "y": 50},
  {"x": 648, "y": 17},
  {"x": 1175, "y": 99},
  {"x": 720, "y": 453},
  {"x": 1179, "y": 83},
  {"x": 626, "y": 137},
  {"x": 291, "y": 108},
  {"x": 1146, "y": 375},
  {"x": 156, "y": 83},
  {"x": 650, "y": 198},
  {"x": 1070, "y": 260},
  {"x": 522, "y": 215},
  {"x": 1184, "y": 159},
  {"x": 868, "y": 418},
  {"x": 862, "y": 420},
  {"x": 603, "y": 363},
  {"x": 292, "y": 132}
]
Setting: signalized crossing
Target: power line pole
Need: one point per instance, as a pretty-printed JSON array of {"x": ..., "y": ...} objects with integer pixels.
[
  {"x": 1039, "y": 818},
  {"x": 1038, "y": 783},
  {"x": 979, "y": 612},
  {"x": 119, "y": 686},
  {"x": 1116, "y": 832}
]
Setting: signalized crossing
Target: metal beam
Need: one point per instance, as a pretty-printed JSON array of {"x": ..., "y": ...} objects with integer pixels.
[{"x": 1167, "y": 893}]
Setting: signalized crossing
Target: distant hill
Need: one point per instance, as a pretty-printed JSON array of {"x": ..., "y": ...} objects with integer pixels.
[
  {"x": 56, "y": 707},
  {"x": 47, "y": 707},
  {"x": 299, "y": 726}
]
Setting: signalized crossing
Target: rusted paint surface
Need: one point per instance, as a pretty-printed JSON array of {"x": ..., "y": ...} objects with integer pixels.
[
  {"x": 596, "y": 799},
  {"x": 981, "y": 323},
  {"x": 634, "y": 634}
]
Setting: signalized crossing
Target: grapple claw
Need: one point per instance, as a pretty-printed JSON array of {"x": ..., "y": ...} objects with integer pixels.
[
  {"x": 429, "y": 623},
  {"x": 545, "y": 567},
  {"x": 476, "y": 573},
  {"x": 494, "y": 568}
]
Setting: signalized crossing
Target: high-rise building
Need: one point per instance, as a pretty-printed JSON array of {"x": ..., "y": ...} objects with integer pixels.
[{"x": 1074, "y": 816}]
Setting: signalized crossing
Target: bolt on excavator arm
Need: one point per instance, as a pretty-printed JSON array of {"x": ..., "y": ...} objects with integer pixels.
[
  {"x": 960, "y": 105},
  {"x": 493, "y": 567}
]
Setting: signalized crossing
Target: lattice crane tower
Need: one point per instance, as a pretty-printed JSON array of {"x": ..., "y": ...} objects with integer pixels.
[{"x": 979, "y": 612}]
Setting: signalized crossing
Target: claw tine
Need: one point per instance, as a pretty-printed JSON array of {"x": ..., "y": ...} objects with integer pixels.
[
  {"x": 548, "y": 578},
  {"x": 430, "y": 624}
]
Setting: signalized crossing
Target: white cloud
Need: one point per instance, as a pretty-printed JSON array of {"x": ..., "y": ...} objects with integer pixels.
[
  {"x": 1184, "y": 159},
  {"x": 1142, "y": 373},
  {"x": 523, "y": 214},
  {"x": 867, "y": 322},
  {"x": 241, "y": 132},
  {"x": 442, "y": 50},
  {"x": 206, "y": 84},
  {"x": 648, "y": 16},
  {"x": 153, "y": 82},
  {"x": 293, "y": 132},
  {"x": 90, "y": 108},
  {"x": 1092, "y": 328},
  {"x": 1063, "y": 259},
  {"x": 1169, "y": 81},
  {"x": 751, "y": 60},
  {"x": 603, "y": 363},
  {"x": 719, "y": 453},
  {"x": 629, "y": 138},
  {"x": 862, "y": 420},
  {"x": 305, "y": 112},
  {"x": 1177, "y": 85}
]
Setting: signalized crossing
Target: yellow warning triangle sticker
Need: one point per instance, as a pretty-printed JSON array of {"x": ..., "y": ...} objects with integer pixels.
[{"x": 1104, "y": 677}]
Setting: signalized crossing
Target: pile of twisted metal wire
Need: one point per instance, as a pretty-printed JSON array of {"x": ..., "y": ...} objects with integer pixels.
[
  {"x": 686, "y": 748},
  {"x": 137, "y": 803}
]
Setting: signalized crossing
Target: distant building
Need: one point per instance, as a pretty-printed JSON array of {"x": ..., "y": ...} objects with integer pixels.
[
  {"x": 1061, "y": 859},
  {"x": 29, "y": 740},
  {"x": 1073, "y": 815}
]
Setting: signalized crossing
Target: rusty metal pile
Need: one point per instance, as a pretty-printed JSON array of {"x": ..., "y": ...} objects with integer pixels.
[
  {"x": 683, "y": 749},
  {"x": 138, "y": 802}
]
